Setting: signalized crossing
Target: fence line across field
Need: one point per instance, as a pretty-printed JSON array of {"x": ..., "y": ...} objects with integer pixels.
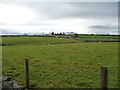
[{"x": 103, "y": 75}]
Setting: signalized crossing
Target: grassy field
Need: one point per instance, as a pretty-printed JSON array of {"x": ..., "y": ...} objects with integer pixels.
[{"x": 66, "y": 63}]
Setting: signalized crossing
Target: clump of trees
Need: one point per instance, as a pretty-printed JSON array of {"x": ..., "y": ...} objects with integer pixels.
[
  {"x": 75, "y": 35},
  {"x": 52, "y": 33},
  {"x": 63, "y": 33}
]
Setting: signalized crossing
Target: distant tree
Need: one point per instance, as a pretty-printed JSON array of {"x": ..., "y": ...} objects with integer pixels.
[
  {"x": 60, "y": 33},
  {"x": 52, "y": 33},
  {"x": 75, "y": 35},
  {"x": 92, "y": 34},
  {"x": 57, "y": 33}
]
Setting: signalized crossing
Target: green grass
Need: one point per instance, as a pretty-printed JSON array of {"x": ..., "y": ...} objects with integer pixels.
[
  {"x": 34, "y": 40},
  {"x": 68, "y": 65},
  {"x": 99, "y": 36}
]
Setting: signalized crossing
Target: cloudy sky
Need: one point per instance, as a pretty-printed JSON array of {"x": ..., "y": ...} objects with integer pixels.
[{"x": 79, "y": 17}]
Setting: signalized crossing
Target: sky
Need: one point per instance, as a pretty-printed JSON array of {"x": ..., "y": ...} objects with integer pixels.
[{"x": 45, "y": 17}]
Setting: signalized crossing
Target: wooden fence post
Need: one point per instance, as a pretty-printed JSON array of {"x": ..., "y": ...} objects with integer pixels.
[
  {"x": 104, "y": 78},
  {"x": 27, "y": 73}
]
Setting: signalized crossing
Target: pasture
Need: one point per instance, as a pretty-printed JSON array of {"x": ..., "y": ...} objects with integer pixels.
[{"x": 60, "y": 62}]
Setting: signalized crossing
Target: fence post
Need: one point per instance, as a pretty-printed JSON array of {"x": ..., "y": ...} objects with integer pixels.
[
  {"x": 104, "y": 78},
  {"x": 27, "y": 73}
]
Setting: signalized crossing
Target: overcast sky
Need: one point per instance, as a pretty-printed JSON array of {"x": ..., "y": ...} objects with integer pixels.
[{"x": 79, "y": 17}]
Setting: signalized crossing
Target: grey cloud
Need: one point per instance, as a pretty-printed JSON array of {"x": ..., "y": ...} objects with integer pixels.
[
  {"x": 103, "y": 31},
  {"x": 10, "y": 32},
  {"x": 56, "y": 10},
  {"x": 3, "y": 31},
  {"x": 79, "y": 10},
  {"x": 103, "y": 27}
]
